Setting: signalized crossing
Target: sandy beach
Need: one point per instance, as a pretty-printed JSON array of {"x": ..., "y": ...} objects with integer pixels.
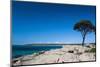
[{"x": 69, "y": 53}]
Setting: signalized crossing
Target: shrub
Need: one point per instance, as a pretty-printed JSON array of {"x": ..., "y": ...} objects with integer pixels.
[{"x": 93, "y": 50}]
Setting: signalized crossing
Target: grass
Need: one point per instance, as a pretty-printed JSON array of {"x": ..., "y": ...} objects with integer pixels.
[{"x": 92, "y": 50}]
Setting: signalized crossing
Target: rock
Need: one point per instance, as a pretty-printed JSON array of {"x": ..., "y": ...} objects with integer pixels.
[{"x": 69, "y": 53}]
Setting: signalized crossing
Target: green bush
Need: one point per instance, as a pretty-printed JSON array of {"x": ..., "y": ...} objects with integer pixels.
[{"x": 93, "y": 50}]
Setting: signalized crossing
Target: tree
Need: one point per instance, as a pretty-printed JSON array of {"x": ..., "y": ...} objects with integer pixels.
[{"x": 85, "y": 27}]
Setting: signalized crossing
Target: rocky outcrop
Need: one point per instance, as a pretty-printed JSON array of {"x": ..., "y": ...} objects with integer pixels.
[{"x": 69, "y": 53}]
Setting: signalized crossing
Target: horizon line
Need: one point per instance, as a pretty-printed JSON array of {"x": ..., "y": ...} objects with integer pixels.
[{"x": 52, "y": 43}]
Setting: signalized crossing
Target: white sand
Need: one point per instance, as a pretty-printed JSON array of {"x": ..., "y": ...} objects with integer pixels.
[{"x": 59, "y": 56}]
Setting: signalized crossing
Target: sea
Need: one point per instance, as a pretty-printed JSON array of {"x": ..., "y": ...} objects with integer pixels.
[{"x": 22, "y": 50}]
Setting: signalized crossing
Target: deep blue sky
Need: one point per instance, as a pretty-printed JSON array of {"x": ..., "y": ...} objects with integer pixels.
[{"x": 39, "y": 22}]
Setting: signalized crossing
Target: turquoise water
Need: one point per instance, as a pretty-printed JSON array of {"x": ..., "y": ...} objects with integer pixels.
[{"x": 20, "y": 50}]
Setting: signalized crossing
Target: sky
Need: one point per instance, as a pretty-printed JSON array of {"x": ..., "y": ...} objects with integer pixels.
[{"x": 34, "y": 22}]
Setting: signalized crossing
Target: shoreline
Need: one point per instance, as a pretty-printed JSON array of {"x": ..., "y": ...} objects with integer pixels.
[
  {"x": 68, "y": 53},
  {"x": 22, "y": 50}
]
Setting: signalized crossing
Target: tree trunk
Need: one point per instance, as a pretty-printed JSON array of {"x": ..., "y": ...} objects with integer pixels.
[
  {"x": 83, "y": 40},
  {"x": 95, "y": 37}
]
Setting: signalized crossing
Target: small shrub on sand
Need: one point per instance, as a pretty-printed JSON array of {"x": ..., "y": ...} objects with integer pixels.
[{"x": 92, "y": 50}]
